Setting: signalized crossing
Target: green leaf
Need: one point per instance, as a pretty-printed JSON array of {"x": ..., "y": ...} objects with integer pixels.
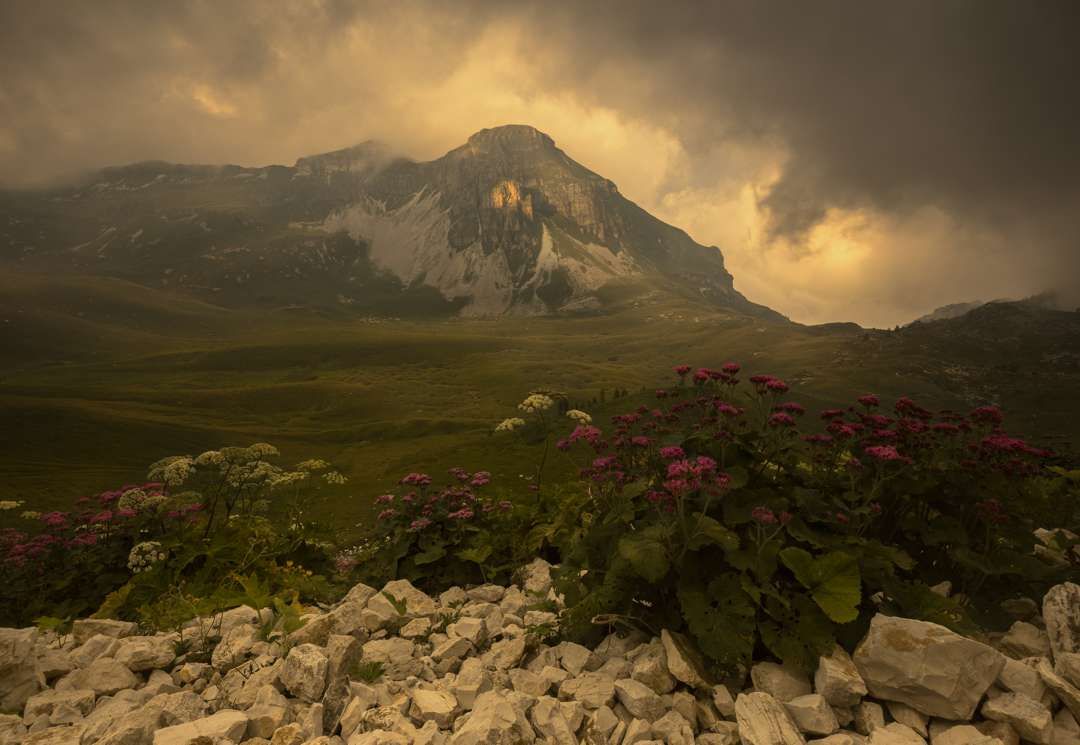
[
  {"x": 430, "y": 556},
  {"x": 832, "y": 579},
  {"x": 711, "y": 532},
  {"x": 798, "y": 632},
  {"x": 477, "y": 555},
  {"x": 721, "y": 618},
  {"x": 646, "y": 553}
]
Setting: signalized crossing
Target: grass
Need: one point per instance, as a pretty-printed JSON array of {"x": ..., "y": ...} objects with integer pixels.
[{"x": 107, "y": 377}]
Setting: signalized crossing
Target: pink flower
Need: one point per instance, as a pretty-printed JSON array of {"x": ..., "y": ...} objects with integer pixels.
[
  {"x": 682, "y": 370},
  {"x": 987, "y": 415},
  {"x": 459, "y": 473},
  {"x": 763, "y": 515},
  {"x": 102, "y": 517},
  {"x": 842, "y": 518},
  {"x": 84, "y": 539},
  {"x": 505, "y": 506},
  {"x": 883, "y": 453},
  {"x": 126, "y": 513},
  {"x": 640, "y": 441},
  {"x": 829, "y": 414},
  {"x": 701, "y": 375},
  {"x": 869, "y": 400},
  {"x": 781, "y": 419},
  {"x": 727, "y": 409},
  {"x": 776, "y": 386},
  {"x": 387, "y": 514},
  {"x": 463, "y": 514},
  {"x": 384, "y": 499},
  {"x": 480, "y": 478},
  {"x": 818, "y": 439},
  {"x": 791, "y": 408},
  {"x": 661, "y": 393},
  {"x": 731, "y": 368},
  {"x": 785, "y": 517},
  {"x": 419, "y": 524},
  {"x": 417, "y": 479},
  {"x": 705, "y": 463},
  {"x": 672, "y": 452},
  {"x": 54, "y": 519}
]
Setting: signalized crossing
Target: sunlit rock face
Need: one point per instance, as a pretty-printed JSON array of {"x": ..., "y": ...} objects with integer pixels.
[{"x": 506, "y": 224}]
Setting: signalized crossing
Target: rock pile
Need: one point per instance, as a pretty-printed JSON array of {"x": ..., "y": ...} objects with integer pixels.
[{"x": 397, "y": 667}]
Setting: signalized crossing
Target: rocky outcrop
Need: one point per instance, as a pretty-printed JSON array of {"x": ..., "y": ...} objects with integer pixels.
[{"x": 462, "y": 669}]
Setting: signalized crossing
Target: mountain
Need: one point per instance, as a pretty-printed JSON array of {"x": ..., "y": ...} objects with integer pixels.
[{"x": 506, "y": 224}]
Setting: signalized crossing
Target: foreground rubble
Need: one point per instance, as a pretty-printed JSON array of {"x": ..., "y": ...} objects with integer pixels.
[{"x": 397, "y": 667}]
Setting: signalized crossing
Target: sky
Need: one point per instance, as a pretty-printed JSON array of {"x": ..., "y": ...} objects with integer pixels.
[{"x": 855, "y": 160}]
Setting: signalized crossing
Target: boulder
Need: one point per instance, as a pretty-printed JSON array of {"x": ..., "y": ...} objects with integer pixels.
[
  {"x": 135, "y": 728},
  {"x": 96, "y": 646},
  {"x": 180, "y": 707},
  {"x": 640, "y": 700},
  {"x": 20, "y": 677},
  {"x": 674, "y": 729},
  {"x": 1022, "y": 678},
  {"x": 342, "y": 653},
  {"x": 593, "y": 690},
  {"x": 234, "y": 646},
  {"x": 782, "y": 682},
  {"x": 683, "y": 660},
  {"x": 434, "y": 706},
  {"x": 896, "y": 734},
  {"x": 812, "y": 714},
  {"x": 304, "y": 672},
  {"x": 84, "y": 628},
  {"x": 908, "y": 717},
  {"x": 1061, "y": 613},
  {"x": 868, "y": 716},
  {"x": 838, "y": 680},
  {"x": 400, "y": 595},
  {"x": 81, "y": 700},
  {"x": 926, "y": 666},
  {"x": 1063, "y": 689},
  {"x": 550, "y": 721},
  {"x": 227, "y": 723},
  {"x": 1032, "y": 720},
  {"x": 141, "y": 653},
  {"x": 104, "y": 677},
  {"x": 1025, "y": 640},
  {"x": 764, "y": 721},
  {"x": 494, "y": 721},
  {"x": 650, "y": 667}
]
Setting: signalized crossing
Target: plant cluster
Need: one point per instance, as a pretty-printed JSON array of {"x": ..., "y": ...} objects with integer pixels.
[
  {"x": 719, "y": 512},
  {"x": 200, "y": 536}
]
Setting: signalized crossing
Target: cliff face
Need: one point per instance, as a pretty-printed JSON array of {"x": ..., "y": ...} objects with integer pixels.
[{"x": 505, "y": 224}]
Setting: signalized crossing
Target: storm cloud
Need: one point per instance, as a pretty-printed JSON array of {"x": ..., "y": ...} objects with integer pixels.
[{"x": 854, "y": 160}]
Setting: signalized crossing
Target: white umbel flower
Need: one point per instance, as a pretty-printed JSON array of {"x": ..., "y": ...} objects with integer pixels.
[
  {"x": 144, "y": 555},
  {"x": 579, "y": 416},
  {"x": 536, "y": 402},
  {"x": 509, "y": 425}
]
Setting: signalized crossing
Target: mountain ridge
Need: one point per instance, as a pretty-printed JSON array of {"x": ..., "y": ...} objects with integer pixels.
[{"x": 504, "y": 224}]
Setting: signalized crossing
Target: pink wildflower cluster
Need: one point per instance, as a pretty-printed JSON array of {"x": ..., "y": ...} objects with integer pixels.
[{"x": 421, "y": 509}]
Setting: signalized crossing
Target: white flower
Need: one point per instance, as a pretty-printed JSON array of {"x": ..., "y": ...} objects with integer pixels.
[
  {"x": 579, "y": 416},
  {"x": 315, "y": 464},
  {"x": 30, "y": 515},
  {"x": 10, "y": 504},
  {"x": 210, "y": 458},
  {"x": 262, "y": 450},
  {"x": 509, "y": 425},
  {"x": 536, "y": 402},
  {"x": 143, "y": 555},
  {"x": 333, "y": 477}
]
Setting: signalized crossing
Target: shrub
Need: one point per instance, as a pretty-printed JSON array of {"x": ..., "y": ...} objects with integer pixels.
[
  {"x": 192, "y": 540},
  {"x": 715, "y": 514}
]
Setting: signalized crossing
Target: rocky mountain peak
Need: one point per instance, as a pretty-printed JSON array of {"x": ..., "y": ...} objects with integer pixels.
[{"x": 511, "y": 137}]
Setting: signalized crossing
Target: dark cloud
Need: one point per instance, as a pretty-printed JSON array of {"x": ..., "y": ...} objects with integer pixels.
[{"x": 968, "y": 108}]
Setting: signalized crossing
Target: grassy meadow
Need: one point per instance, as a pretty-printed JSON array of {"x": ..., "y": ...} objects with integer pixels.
[{"x": 102, "y": 377}]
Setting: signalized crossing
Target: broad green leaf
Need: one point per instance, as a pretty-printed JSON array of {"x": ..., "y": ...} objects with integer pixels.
[
  {"x": 721, "y": 618},
  {"x": 709, "y": 531},
  {"x": 832, "y": 579},
  {"x": 430, "y": 556},
  {"x": 646, "y": 553},
  {"x": 477, "y": 555}
]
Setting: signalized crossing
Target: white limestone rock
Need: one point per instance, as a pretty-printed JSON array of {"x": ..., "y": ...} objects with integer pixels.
[
  {"x": 228, "y": 724},
  {"x": 812, "y": 714},
  {"x": 1032, "y": 720},
  {"x": 20, "y": 677},
  {"x": 782, "y": 682},
  {"x": 763, "y": 720},
  {"x": 640, "y": 700},
  {"x": 838, "y": 680},
  {"x": 926, "y": 666},
  {"x": 1061, "y": 613},
  {"x": 304, "y": 672}
]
